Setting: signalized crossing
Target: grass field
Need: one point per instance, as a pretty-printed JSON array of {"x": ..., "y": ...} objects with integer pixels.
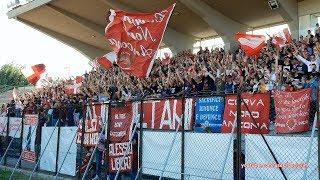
[{"x": 5, "y": 174}]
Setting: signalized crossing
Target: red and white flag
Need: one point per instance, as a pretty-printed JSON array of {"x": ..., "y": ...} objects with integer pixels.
[
  {"x": 166, "y": 59},
  {"x": 250, "y": 44},
  {"x": 135, "y": 38},
  {"x": 282, "y": 38},
  {"x": 33, "y": 73},
  {"x": 75, "y": 87},
  {"x": 107, "y": 60}
]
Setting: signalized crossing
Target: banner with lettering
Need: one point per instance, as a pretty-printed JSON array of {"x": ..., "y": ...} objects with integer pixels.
[
  {"x": 121, "y": 123},
  {"x": 120, "y": 157},
  {"x": 30, "y": 123},
  {"x": 135, "y": 38},
  {"x": 258, "y": 106},
  {"x": 292, "y": 111},
  {"x": 120, "y": 149},
  {"x": 167, "y": 114},
  {"x": 208, "y": 114},
  {"x": 92, "y": 125}
]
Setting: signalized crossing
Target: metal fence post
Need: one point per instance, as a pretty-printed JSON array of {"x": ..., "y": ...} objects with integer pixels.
[
  {"x": 238, "y": 141},
  {"x": 182, "y": 137},
  {"x": 7, "y": 136},
  {"x": 108, "y": 137},
  {"x": 140, "y": 139},
  {"x": 81, "y": 144},
  {"x": 318, "y": 123},
  {"x": 58, "y": 148},
  {"x": 21, "y": 138}
]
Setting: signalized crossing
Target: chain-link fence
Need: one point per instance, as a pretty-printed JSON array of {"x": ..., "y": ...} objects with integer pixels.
[
  {"x": 289, "y": 150},
  {"x": 173, "y": 138}
]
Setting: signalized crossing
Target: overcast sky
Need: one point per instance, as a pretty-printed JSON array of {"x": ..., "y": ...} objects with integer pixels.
[{"x": 26, "y": 46}]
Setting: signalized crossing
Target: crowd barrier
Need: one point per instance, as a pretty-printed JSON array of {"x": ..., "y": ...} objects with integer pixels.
[{"x": 179, "y": 138}]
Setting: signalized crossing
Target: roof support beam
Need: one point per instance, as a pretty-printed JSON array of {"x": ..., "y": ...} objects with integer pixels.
[
  {"x": 80, "y": 20},
  {"x": 288, "y": 9},
  {"x": 86, "y": 49},
  {"x": 176, "y": 41},
  {"x": 26, "y": 7},
  {"x": 224, "y": 26}
]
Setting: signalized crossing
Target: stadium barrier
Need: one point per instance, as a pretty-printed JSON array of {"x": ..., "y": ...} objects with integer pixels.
[{"x": 179, "y": 138}]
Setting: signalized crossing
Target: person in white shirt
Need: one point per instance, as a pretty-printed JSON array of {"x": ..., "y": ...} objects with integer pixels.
[{"x": 313, "y": 63}]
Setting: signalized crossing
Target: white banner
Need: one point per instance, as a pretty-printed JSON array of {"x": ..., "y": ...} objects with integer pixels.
[
  {"x": 27, "y": 132},
  {"x": 15, "y": 127},
  {"x": 3, "y": 126},
  {"x": 156, "y": 146},
  {"x": 291, "y": 152},
  {"x": 205, "y": 156},
  {"x": 48, "y": 160},
  {"x": 66, "y": 137}
]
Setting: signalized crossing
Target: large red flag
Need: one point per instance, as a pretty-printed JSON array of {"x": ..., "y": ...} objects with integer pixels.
[
  {"x": 33, "y": 74},
  {"x": 135, "y": 38},
  {"x": 250, "y": 44}
]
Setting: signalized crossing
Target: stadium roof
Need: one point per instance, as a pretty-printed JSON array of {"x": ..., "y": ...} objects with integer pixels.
[{"x": 80, "y": 23}]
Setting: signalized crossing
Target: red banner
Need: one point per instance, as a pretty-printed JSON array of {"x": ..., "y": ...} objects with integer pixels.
[
  {"x": 117, "y": 160},
  {"x": 135, "y": 38},
  {"x": 121, "y": 123},
  {"x": 29, "y": 156},
  {"x": 92, "y": 120},
  {"x": 167, "y": 114},
  {"x": 258, "y": 106},
  {"x": 30, "y": 119},
  {"x": 292, "y": 111},
  {"x": 120, "y": 130}
]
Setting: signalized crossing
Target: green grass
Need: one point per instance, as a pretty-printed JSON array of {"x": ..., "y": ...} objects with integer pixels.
[{"x": 5, "y": 174}]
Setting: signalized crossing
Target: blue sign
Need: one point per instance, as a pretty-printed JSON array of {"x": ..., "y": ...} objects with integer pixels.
[{"x": 209, "y": 114}]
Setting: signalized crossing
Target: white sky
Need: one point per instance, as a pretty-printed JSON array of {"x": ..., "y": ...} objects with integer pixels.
[{"x": 24, "y": 45}]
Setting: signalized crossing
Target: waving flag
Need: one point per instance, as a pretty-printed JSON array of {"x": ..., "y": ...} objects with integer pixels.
[
  {"x": 166, "y": 59},
  {"x": 135, "y": 38},
  {"x": 107, "y": 60},
  {"x": 282, "y": 38},
  {"x": 250, "y": 44},
  {"x": 34, "y": 72}
]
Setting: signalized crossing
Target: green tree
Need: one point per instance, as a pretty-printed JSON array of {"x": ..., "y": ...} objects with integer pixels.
[{"x": 11, "y": 75}]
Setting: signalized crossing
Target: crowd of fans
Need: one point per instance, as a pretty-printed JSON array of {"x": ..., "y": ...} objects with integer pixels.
[{"x": 289, "y": 68}]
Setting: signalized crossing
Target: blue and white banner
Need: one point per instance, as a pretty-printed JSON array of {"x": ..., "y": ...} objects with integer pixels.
[{"x": 209, "y": 114}]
